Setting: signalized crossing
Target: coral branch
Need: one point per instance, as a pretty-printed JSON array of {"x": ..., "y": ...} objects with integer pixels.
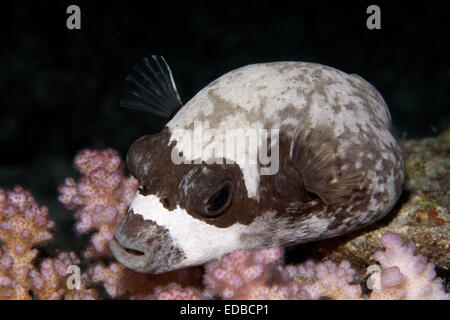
[
  {"x": 261, "y": 275},
  {"x": 23, "y": 224},
  {"x": 404, "y": 275},
  {"x": 123, "y": 283},
  {"x": 101, "y": 197},
  {"x": 10, "y": 288},
  {"x": 50, "y": 282}
]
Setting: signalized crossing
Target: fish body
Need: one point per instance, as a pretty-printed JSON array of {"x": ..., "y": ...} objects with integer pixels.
[{"x": 270, "y": 154}]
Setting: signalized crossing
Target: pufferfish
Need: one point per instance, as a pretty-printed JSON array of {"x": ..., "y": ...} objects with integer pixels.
[{"x": 336, "y": 166}]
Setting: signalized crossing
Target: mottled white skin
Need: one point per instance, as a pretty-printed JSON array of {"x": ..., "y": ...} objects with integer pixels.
[
  {"x": 199, "y": 241},
  {"x": 255, "y": 96}
]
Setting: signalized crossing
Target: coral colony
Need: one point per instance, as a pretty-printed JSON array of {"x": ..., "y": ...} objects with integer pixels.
[{"x": 100, "y": 199}]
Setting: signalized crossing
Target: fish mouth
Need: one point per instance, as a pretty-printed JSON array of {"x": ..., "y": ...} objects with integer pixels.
[
  {"x": 134, "y": 259},
  {"x": 130, "y": 251},
  {"x": 142, "y": 245},
  {"x": 116, "y": 246}
]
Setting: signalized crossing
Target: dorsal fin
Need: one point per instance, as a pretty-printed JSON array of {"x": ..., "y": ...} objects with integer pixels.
[{"x": 150, "y": 87}]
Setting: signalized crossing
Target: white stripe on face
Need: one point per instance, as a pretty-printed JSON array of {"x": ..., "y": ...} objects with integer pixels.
[{"x": 200, "y": 241}]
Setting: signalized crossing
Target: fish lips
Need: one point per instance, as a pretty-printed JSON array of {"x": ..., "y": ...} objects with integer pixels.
[
  {"x": 134, "y": 259},
  {"x": 144, "y": 246}
]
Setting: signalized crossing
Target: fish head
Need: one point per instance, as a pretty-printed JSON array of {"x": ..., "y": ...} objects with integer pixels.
[{"x": 182, "y": 214}]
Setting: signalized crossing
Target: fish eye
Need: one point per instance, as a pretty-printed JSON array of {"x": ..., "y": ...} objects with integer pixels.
[{"x": 219, "y": 200}]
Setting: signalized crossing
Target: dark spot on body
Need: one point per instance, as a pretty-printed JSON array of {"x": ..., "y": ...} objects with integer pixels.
[
  {"x": 336, "y": 108},
  {"x": 284, "y": 66},
  {"x": 289, "y": 111},
  {"x": 167, "y": 204}
]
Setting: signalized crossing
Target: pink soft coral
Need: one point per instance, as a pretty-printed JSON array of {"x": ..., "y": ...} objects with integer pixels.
[
  {"x": 23, "y": 224},
  {"x": 174, "y": 291},
  {"x": 10, "y": 288},
  {"x": 260, "y": 274},
  {"x": 123, "y": 283},
  {"x": 101, "y": 197},
  {"x": 327, "y": 280},
  {"x": 404, "y": 275},
  {"x": 247, "y": 275},
  {"x": 50, "y": 281}
]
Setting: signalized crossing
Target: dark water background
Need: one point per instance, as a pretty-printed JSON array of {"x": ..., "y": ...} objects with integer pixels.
[{"x": 60, "y": 88}]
